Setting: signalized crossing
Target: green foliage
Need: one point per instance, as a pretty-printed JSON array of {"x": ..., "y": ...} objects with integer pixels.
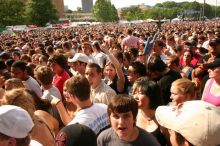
[
  {"x": 169, "y": 10},
  {"x": 11, "y": 12},
  {"x": 133, "y": 13},
  {"x": 104, "y": 11},
  {"x": 40, "y": 12}
]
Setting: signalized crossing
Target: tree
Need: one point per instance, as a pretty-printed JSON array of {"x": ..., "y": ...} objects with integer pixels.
[
  {"x": 11, "y": 12},
  {"x": 104, "y": 11},
  {"x": 133, "y": 13},
  {"x": 40, "y": 12}
]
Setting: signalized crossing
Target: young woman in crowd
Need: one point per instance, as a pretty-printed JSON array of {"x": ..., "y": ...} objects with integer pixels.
[{"x": 148, "y": 95}]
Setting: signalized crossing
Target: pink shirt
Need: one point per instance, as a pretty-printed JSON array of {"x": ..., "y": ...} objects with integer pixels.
[
  {"x": 130, "y": 41},
  {"x": 208, "y": 97}
]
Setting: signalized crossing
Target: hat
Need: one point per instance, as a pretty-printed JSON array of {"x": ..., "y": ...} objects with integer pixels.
[
  {"x": 214, "y": 64},
  {"x": 76, "y": 134},
  {"x": 15, "y": 121},
  {"x": 197, "y": 121},
  {"x": 79, "y": 57},
  {"x": 214, "y": 42},
  {"x": 190, "y": 43}
]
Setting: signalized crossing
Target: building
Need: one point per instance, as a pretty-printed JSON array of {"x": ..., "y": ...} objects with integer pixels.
[
  {"x": 59, "y": 5},
  {"x": 87, "y": 6}
]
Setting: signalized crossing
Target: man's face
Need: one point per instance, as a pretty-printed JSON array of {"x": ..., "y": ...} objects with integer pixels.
[
  {"x": 18, "y": 73},
  {"x": 93, "y": 77},
  {"x": 86, "y": 49},
  {"x": 123, "y": 124}
]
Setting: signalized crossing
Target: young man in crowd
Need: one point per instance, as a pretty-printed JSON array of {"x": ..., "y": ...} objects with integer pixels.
[
  {"x": 19, "y": 70},
  {"x": 93, "y": 115},
  {"x": 100, "y": 91},
  {"x": 122, "y": 112}
]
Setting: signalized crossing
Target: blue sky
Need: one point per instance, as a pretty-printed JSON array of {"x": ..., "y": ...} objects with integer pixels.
[{"x": 73, "y": 4}]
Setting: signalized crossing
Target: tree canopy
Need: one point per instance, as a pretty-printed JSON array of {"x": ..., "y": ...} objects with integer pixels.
[
  {"x": 104, "y": 11},
  {"x": 11, "y": 12},
  {"x": 40, "y": 12},
  {"x": 170, "y": 10}
]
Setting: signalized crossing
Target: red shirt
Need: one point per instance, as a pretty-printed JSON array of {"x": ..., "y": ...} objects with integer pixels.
[{"x": 59, "y": 80}]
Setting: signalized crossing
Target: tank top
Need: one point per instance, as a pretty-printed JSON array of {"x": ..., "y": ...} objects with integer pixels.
[{"x": 208, "y": 97}]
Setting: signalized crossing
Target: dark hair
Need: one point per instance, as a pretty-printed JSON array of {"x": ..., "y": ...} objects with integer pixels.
[
  {"x": 9, "y": 62},
  {"x": 60, "y": 60},
  {"x": 78, "y": 86},
  {"x": 66, "y": 45},
  {"x": 133, "y": 51},
  {"x": 2, "y": 65},
  {"x": 96, "y": 66},
  {"x": 20, "y": 64},
  {"x": 160, "y": 43},
  {"x": 150, "y": 89},
  {"x": 129, "y": 31},
  {"x": 180, "y": 139},
  {"x": 121, "y": 104},
  {"x": 155, "y": 64},
  {"x": 138, "y": 68}
]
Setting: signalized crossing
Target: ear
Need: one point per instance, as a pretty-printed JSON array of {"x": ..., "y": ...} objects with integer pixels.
[{"x": 12, "y": 142}]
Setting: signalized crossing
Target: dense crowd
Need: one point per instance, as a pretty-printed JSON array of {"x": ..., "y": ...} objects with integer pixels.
[{"x": 111, "y": 85}]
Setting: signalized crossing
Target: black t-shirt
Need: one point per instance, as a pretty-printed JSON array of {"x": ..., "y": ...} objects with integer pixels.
[{"x": 165, "y": 83}]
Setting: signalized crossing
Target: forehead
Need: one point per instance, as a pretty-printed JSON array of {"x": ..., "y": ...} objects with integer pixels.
[
  {"x": 122, "y": 114},
  {"x": 91, "y": 70},
  {"x": 16, "y": 69}
]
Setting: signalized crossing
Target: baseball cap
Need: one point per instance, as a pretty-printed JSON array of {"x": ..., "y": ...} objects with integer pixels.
[
  {"x": 76, "y": 135},
  {"x": 197, "y": 121},
  {"x": 214, "y": 64},
  {"x": 15, "y": 121},
  {"x": 79, "y": 57}
]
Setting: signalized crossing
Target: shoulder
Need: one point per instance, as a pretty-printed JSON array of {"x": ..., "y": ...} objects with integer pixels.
[
  {"x": 105, "y": 136},
  {"x": 147, "y": 138}
]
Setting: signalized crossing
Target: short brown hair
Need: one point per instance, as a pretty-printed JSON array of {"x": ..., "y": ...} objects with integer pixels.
[
  {"x": 78, "y": 86},
  {"x": 44, "y": 74},
  {"x": 123, "y": 103}
]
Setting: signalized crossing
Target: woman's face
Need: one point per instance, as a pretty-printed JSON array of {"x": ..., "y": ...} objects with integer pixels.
[
  {"x": 187, "y": 57},
  {"x": 214, "y": 73},
  {"x": 141, "y": 98},
  {"x": 176, "y": 96},
  {"x": 110, "y": 72}
]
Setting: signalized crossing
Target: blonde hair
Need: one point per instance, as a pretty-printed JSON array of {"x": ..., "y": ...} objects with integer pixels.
[
  {"x": 185, "y": 86},
  {"x": 14, "y": 83},
  {"x": 20, "y": 97}
]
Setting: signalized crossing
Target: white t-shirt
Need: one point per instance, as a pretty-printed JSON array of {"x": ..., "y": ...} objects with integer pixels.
[
  {"x": 35, "y": 143},
  {"x": 33, "y": 85},
  {"x": 52, "y": 91},
  {"x": 95, "y": 117}
]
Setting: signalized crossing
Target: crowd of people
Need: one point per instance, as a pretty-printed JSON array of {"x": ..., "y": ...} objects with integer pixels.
[{"x": 111, "y": 85}]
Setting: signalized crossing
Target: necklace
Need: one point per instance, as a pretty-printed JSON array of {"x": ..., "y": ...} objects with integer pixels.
[{"x": 146, "y": 117}]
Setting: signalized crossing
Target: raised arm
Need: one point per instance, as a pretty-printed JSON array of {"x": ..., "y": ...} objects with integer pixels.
[{"x": 119, "y": 72}]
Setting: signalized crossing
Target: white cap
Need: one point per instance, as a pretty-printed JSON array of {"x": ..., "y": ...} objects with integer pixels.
[
  {"x": 197, "y": 121},
  {"x": 79, "y": 57},
  {"x": 14, "y": 121}
]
